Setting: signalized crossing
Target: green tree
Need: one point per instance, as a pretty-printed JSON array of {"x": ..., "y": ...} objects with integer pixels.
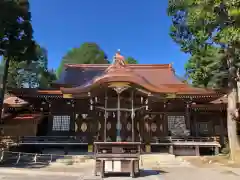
[
  {"x": 47, "y": 78},
  {"x": 16, "y": 42},
  {"x": 131, "y": 60},
  {"x": 205, "y": 69},
  {"x": 210, "y": 32},
  {"x": 87, "y": 53},
  {"x": 31, "y": 74}
]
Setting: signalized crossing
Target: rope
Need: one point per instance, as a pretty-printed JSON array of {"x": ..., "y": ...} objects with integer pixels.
[
  {"x": 19, "y": 156},
  {"x": 33, "y": 157},
  {"x": 2, "y": 155},
  {"x": 23, "y": 153}
]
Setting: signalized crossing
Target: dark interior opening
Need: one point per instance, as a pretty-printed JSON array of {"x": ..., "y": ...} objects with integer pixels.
[{"x": 42, "y": 129}]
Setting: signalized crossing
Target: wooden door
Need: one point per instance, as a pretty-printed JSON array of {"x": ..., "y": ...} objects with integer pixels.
[{"x": 111, "y": 126}]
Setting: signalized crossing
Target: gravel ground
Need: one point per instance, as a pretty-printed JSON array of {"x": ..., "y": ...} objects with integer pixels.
[{"x": 152, "y": 169}]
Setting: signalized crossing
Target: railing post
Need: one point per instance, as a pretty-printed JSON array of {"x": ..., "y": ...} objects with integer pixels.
[
  {"x": 19, "y": 156},
  {"x": 2, "y": 155},
  {"x": 35, "y": 158}
]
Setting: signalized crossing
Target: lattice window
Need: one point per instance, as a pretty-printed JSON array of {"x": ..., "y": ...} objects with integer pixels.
[
  {"x": 175, "y": 120},
  {"x": 61, "y": 123},
  {"x": 57, "y": 121}
]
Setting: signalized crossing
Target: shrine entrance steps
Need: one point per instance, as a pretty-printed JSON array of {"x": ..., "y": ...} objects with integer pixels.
[
  {"x": 162, "y": 160},
  {"x": 146, "y": 160}
]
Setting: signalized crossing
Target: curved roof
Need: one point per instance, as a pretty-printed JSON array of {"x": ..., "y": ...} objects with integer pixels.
[{"x": 154, "y": 78}]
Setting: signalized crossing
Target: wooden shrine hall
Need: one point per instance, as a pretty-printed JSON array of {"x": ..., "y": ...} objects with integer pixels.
[{"x": 121, "y": 103}]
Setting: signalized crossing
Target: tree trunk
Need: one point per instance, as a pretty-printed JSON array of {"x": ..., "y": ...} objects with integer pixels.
[
  {"x": 237, "y": 125},
  {"x": 231, "y": 122},
  {"x": 4, "y": 85}
]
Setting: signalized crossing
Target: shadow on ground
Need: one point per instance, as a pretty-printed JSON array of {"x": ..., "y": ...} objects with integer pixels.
[
  {"x": 143, "y": 173},
  {"x": 31, "y": 160}
]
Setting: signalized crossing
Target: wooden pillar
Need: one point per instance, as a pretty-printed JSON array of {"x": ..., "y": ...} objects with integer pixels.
[
  {"x": 222, "y": 128},
  {"x": 165, "y": 119},
  {"x": 132, "y": 117},
  {"x": 171, "y": 149},
  {"x": 197, "y": 151},
  {"x": 118, "y": 132},
  {"x": 195, "y": 125},
  {"x": 188, "y": 114},
  {"x": 105, "y": 117}
]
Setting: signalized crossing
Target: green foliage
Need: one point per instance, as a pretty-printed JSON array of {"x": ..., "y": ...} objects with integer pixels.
[
  {"x": 30, "y": 74},
  {"x": 16, "y": 33},
  {"x": 210, "y": 31},
  {"x": 48, "y": 76},
  {"x": 131, "y": 60},
  {"x": 87, "y": 53},
  {"x": 16, "y": 30}
]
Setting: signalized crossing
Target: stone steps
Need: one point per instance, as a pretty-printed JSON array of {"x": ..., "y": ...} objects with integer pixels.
[{"x": 157, "y": 157}]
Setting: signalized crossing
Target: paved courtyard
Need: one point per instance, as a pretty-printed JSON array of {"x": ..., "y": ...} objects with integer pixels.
[{"x": 153, "y": 168}]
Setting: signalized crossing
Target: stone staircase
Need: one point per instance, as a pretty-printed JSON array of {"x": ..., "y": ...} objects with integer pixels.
[
  {"x": 162, "y": 160},
  {"x": 146, "y": 160},
  {"x": 73, "y": 160}
]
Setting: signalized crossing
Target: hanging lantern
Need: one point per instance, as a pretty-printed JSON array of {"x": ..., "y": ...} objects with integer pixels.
[
  {"x": 106, "y": 115},
  {"x": 147, "y": 107},
  {"x": 76, "y": 116},
  {"x": 84, "y": 116},
  {"x": 141, "y": 99},
  {"x": 89, "y": 94},
  {"x": 91, "y": 104},
  {"x": 146, "y": 101},
  {"x": 96, "y": 99},
  {"x": 91, "y": 101},
  {"x": 164, "y": 105},
  {"x": 132, "y": 114}
]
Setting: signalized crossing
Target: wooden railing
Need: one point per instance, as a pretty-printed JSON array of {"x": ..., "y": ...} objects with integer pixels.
[
  {"x": 170, "y": 139},
  {"x": 187, "y": 143},
  {"x": 46, "y": 140}
]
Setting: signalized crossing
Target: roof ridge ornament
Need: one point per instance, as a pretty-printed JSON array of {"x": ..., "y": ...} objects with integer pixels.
[{"x": 118, "y": 62}]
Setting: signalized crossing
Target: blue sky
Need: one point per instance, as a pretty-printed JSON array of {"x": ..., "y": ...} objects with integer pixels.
[{"x": 139, "y": 28}]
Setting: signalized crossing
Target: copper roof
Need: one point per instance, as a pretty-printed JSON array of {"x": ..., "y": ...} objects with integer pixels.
[
  {"x": 14, "y": 101},
  {"x": 158, "y": 78},
  {"x": 155, "y": 78},
  {"x": 27, "y": 116}
]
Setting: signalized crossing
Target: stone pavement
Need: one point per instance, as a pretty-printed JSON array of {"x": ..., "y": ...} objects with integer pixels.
[{"x": 154, "y": 167}]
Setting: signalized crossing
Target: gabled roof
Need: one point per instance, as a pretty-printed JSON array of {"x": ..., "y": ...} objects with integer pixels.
[
  {"x": 13, "y": 101},
  {"x": 156, "y": 78}
]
